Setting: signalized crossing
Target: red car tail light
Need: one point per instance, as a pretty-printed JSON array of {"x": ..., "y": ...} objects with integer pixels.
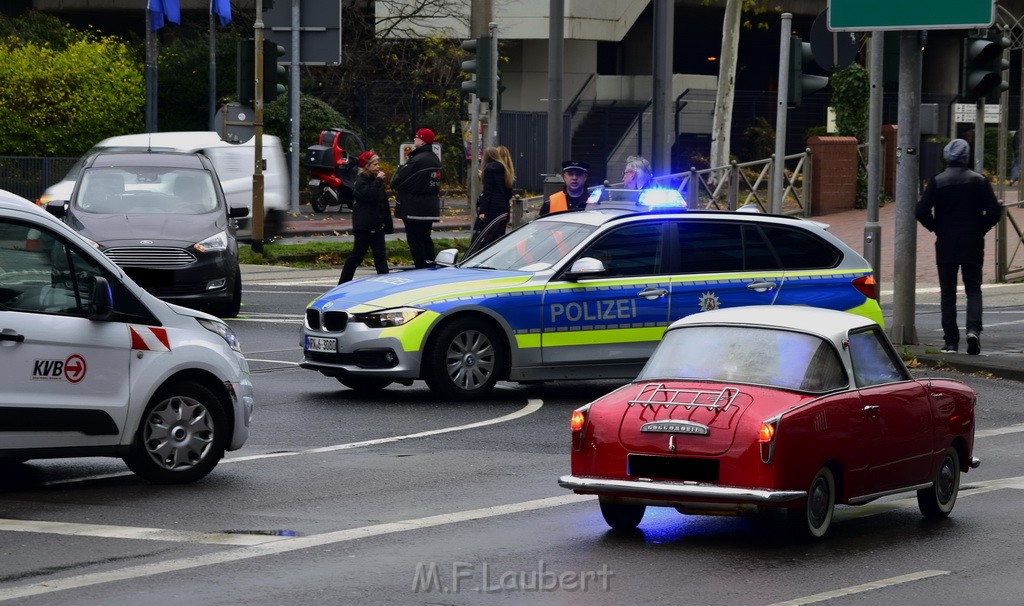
[
  {"x": 577, "y": 420},
  {"x": 577, "y": 423},
  {"x": 766, "y": 438},
  {"x": 867, "y": 286}
]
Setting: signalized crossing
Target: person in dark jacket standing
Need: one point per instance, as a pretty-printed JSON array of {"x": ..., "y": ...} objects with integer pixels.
[
  {"x": 497, "y": 176},
  {"x": 416, "y": 184},
  {"x": 371, "y": 217},
  {"x": 960, "y": 207}
]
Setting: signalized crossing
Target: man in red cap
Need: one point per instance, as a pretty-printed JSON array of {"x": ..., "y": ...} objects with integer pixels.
[{"x": 416, "y": 184}]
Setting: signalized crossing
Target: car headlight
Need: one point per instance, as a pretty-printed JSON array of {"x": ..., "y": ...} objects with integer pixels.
[
  {"x": 388, "y": 317},
  {"x": 213, "y": 243},
  {"x": 223, "y": 330}
]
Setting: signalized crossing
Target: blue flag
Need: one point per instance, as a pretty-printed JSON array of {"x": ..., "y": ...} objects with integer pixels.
[
  {"x": 159, "y": 10},
  {"x": 221, "y": 8}
]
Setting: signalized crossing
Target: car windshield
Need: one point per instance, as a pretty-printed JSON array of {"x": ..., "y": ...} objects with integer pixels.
[
  {"x": 535, "y": 246},
  {"x": 745, "y": 354},
  {"x": 146, "y": 190}
]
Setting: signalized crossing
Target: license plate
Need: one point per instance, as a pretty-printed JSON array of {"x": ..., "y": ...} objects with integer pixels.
[
  {"x": 322, "y": 344},
  {"x": 314, "y": 182}
]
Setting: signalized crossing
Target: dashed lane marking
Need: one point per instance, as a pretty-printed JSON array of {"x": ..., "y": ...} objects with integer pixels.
[{"x": 853, "y": 589}]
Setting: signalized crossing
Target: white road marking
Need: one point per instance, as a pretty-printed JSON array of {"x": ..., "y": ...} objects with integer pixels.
[
  {"x": 282, "y": 546},
  {"x": 532, "y": 406},
  {"x": 130, "y": 532},
  {"x": 250, "y": 360},
  {"x": 998, "y": 431},
  {"x": 278, "y": 320},
  {"x": 881, "y": 584},
  {"x": 300, "y": 282}
]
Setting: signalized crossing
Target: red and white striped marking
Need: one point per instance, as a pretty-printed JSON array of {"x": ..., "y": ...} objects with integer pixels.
[{"x": 149, "y": 338}]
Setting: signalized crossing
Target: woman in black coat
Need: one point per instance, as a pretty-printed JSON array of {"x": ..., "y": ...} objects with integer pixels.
[
  {"x": 498, "y": 175},
  {"x": 371, "y": 217}
]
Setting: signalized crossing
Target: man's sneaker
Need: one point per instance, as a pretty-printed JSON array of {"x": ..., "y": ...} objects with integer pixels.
[
  {"x": 973, "y": 344},
  {"x": 949, "y": 348}
]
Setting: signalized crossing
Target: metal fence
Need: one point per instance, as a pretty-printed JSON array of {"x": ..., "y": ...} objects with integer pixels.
[{"x": 28, "y": 177}]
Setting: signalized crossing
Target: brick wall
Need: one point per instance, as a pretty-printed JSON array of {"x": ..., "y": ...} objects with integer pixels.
[
  {"x": 834, "y": 174},
  {"x": 889, "y": 170}
]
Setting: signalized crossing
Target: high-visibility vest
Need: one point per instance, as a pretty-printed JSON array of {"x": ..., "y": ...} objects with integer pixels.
[{"x": 558, "y": 203}]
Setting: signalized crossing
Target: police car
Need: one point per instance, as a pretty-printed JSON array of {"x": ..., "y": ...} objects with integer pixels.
[
  {"x": 93, "y": 365},
  {"x": 575, "y": 295}
]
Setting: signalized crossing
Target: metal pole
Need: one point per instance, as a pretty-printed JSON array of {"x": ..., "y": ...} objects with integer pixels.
[
  {"x": 1004, "y": 123},
  {"x": 872, "y": 228},
  {"x": 474, "y": 183},
  {"x": 779, "y": 158},
  {"x": 492, "y": 130},
  {"x": 979, "y": 135},
  {"x": 556, "y": 49},
  {"x": 903, "y": 330},
  {"x": 293, "y": 109},
  {"x": 151, "y": 75},
  {"x": 212, "y": 81},
  {"x": 257, "y": 175},
  {"x": 661, "y": 134}
]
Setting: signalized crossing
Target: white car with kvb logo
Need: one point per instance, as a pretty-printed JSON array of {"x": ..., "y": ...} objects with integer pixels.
[
  {"x": 93, "y": 365},
  {"x": 575, "y": 295}
]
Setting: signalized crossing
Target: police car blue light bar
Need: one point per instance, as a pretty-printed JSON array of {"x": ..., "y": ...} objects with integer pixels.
[
  {"x": 656, "y": 199},
  {"x": 662, "y": 198}
]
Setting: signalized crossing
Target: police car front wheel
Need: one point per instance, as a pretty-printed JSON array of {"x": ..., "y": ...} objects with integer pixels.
[
  {"x": 181, "y": 437},
  {"x": 464, "y": 361}
]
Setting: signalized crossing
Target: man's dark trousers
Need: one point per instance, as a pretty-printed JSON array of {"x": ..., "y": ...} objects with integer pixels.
[
  {"x": 421, "y": 247},
  {"x": 971, "y": 274}
]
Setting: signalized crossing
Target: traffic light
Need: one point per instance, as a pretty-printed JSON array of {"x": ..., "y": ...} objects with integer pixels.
[
  {"x": 801, "y": 84},
  {"x": 982, "y": 66},
  {"x": 275, "y": 76},
  {"x": 245, "y": 77},
  {"x": 479, "y": 67}
]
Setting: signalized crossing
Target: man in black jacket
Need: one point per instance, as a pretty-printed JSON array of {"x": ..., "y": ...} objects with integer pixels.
[
  {"x": 960, "y": 207},
  {"x": 416, "y": 184}
]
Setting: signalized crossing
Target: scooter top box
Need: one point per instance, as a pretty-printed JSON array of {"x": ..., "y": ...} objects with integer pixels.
[{"x": 319, "y": 157}]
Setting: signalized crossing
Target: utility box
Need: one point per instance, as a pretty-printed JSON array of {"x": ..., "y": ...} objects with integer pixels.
[{"x": 552, "y": 184}]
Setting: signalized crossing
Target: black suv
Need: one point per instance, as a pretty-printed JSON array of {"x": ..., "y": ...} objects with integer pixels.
[{"x": 163, "y": 218}]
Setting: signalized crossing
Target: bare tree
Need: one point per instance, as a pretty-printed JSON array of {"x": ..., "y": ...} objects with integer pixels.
[{"x": 721, "y": 129}]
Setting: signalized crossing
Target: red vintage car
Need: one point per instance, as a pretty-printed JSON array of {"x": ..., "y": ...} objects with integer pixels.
[{"x": 744, "y": 408}]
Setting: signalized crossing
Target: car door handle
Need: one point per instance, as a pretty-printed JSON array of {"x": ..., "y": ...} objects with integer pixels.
[
  {"x": 5, "y": 336},
  {"x": 871, "y": 411},
  {"x": 763, "y": 286},
  {"x": 652, "y": 294}
]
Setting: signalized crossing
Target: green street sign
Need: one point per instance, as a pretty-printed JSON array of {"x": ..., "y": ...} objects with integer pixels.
[{"x": 866, "y": 15}]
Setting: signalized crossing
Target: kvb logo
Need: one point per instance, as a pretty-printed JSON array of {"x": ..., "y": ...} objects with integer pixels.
[{"x": 72, "y": 369}]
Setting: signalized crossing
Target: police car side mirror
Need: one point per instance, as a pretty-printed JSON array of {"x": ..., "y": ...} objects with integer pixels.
[
  {"x": 446, "y": 258},
  {"x": 57, "y": 208},
  {"x": 585, "y": 267},
  {"x": 101, "y": 301}
]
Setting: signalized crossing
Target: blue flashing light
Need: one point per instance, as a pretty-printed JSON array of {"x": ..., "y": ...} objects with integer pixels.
[
  {"x": 662, "y": 198},
  {"x": 595, "y": 195}
]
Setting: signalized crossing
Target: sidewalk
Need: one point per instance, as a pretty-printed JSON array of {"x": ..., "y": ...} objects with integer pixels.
[{"x": 1002, "y": 347}]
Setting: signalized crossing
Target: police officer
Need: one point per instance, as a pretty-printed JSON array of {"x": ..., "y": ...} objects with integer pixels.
[
  {"x": 416, "y": 184},
  {"x": 574, "y": 194}
]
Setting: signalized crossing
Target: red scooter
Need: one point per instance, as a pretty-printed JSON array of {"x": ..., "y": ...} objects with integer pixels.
[{"x": 332, "y": 166}]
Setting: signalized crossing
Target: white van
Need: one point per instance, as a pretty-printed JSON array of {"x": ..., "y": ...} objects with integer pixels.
[
  {"x": 234, "y": 163},
  {"x": 93, "y": 365}
]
